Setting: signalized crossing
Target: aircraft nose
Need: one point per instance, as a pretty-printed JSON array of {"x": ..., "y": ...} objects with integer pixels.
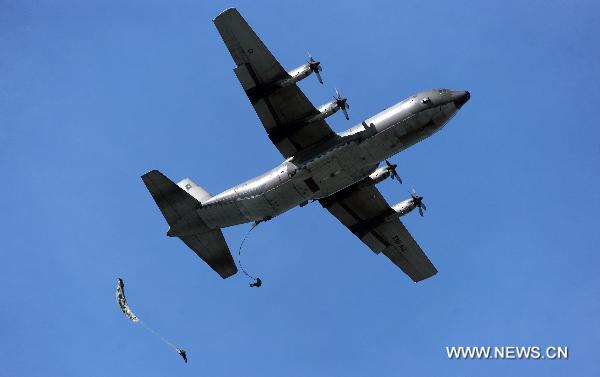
[{"x": 460, "y": 98}]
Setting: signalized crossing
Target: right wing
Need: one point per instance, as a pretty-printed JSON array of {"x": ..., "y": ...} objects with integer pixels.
[
  {"x": 281, "y": 110},
  {"x": 364, "y": 211}
]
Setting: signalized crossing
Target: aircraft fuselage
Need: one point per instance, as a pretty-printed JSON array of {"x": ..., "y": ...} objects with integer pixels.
[{"x": 348, "y": 158}]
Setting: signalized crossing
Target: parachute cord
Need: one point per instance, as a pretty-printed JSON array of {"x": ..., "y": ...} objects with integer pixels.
[
  {"x": 159, "y": 336},
  {"x": 240, "y": 250}
]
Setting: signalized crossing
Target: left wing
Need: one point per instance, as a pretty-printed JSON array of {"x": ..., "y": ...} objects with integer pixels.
[
  {"x": 364, "y": 211},
  {"x": 280, "y": 109}
]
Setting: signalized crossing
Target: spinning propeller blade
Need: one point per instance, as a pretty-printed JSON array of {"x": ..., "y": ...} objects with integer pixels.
[
  {"x": 418, "y": 200},
  {"x": 342, "y": 103},
  {"x": 392, "y": 169},
  {"x": 315, "y": 66}
]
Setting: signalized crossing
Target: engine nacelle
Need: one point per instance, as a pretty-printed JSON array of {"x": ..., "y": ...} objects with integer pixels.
[
  {"x": 303, "y": 72},
  {"x": 404, "y": 207},
  {"x": 296, "y": 74},
  {"x": 325, "y": 111},
  {"x": 380, "y": 174}
]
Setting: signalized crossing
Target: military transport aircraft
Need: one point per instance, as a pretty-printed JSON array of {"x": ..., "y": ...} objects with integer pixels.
[{"x": 339, "y": 170}]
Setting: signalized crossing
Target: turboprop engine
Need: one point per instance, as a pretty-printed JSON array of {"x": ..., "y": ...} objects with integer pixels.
[
  {"x": 406, "y": 206},
  {"x": 331, "y": 108},
  {"x": 387, "y": 171},
  {"x": 303, "y": 72}
]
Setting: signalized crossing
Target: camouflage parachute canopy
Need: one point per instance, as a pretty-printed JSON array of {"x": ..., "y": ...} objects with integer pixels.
[{"x": 122, "y": 301}]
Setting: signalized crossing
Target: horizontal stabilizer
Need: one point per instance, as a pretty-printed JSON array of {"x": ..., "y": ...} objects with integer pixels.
[
  {"x": 213, "y": 249},
  {"x": 178, "y": 202}
]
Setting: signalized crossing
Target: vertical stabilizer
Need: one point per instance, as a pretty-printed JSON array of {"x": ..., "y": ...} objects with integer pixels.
[{"x": 199, "y": 193}]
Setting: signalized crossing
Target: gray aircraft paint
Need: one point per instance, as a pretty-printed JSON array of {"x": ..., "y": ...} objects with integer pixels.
[
  {"x": 352, "y": 156},
  {"x": 340, "y": 170}
]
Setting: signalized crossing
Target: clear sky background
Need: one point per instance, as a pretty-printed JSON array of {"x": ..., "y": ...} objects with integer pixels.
[{"x": 94, "y": 94}]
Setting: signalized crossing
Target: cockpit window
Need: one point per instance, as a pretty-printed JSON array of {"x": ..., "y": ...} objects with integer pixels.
[
  {"x": 426, "y": 100},
  {"x": 444, "y": 91}
]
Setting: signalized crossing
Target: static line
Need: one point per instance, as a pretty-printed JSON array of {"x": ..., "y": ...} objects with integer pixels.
[{"x": 240, "y": 251}]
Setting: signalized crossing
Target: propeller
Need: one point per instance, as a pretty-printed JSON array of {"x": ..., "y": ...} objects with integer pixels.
[
  {"x": 392, "y": 170},
  {"x": 342, "y": 103},
  {"x": 315, "y": 66},
  {"x": 418, "y": 200}
]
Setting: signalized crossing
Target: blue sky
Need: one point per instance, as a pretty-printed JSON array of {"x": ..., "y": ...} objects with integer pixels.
[{"x": 93, "y": 94}]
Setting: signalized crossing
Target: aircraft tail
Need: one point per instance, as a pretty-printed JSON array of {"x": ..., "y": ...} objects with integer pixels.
[
  {"x": 178, "y": 204},
  {"x": 172, "y": 200},
  {"x": 194, "y": 190}
]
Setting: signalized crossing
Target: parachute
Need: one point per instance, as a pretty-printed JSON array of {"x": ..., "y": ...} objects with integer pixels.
[{"x": 122, "y": 302}]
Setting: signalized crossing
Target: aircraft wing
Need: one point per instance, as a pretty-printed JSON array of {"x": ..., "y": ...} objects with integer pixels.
[
  {"x": 364, "y": 211},
  {"x": 281, "y": 110}
]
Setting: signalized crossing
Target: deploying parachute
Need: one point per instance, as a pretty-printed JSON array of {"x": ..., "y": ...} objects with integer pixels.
[{"x": 122, "y": 301}]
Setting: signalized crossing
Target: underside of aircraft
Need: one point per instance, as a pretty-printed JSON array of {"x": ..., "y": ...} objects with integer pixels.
[{"x": 340, "y": 170}]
